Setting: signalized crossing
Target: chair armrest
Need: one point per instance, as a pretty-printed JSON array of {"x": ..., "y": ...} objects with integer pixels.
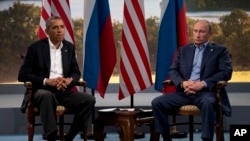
[
  {"x": 81, "y": 83},
  {"x": 167, "y": 83},
  {"x": 28, "y": 84},
  {"x": 221, "y": 84}
]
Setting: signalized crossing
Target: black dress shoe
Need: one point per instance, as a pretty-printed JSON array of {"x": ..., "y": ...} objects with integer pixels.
[
  {"x": 166, "y": 137},
  {"x": 205, "y": 139},
  {"x": 68, "y": 138},
  {"x": 52, "y": 136}
]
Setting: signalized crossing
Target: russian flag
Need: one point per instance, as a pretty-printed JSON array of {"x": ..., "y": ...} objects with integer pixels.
[
  {"x": 172, "y": 34},
  {"x": 99, "y": 53}
]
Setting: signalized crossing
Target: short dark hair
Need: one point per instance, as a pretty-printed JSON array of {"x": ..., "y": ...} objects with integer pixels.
[
  {"x": 210, "y": 27},
  {"x": 48, "y": 21}
]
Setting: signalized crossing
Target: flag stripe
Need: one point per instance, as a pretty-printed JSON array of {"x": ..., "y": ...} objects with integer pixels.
[
  {"x": 138, "y": 52},
  {"x": 59, "y": 8},
  {"x": 172, "y": 34},
  {"x": 132, "y": 55},
  {"x": 45, "y": 14},
  {"x": 135, "y": 70}
]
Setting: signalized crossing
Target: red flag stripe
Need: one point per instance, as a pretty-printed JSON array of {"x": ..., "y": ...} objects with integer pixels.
[
  {"x": 60, "y": 8},
  {"x": 45, "y": 14},
  {"x": 132, "y": 56},
  {"x": 141, "y": 45},
  {"x": 134, "y": 64}
]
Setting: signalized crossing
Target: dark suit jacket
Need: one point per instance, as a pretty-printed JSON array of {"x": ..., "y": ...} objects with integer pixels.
[
  {"x": 215, "y": 66},
  {"x": 36, "y": 65}
]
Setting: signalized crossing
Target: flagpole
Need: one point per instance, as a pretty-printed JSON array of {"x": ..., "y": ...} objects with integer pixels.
[
  {"x": 132, "y": 101},
  {"x": 137, "y": 134}
]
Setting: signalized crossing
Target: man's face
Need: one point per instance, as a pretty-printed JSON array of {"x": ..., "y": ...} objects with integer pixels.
[
  {"x": 56, "y": 30},
  {"x": 201, "y": 33}
]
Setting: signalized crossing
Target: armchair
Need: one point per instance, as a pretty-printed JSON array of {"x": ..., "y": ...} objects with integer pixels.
[
  {"x": 192, "y": 110},
  {"x": 32, "y": 112}
]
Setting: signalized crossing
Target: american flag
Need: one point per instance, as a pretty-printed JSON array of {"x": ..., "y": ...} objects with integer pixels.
[
  {"x": 56, "y": 8},
  {"x": 135, "y": 71}
]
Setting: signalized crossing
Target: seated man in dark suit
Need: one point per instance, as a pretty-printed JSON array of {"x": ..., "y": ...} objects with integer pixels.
[
  {"x": 51, "y": 65},
  {"x": 195, "y": 73}
]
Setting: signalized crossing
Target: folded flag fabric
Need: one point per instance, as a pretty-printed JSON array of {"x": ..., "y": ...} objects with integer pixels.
[
  {"x": 99, "y": 52},
  {"x": 172, "y": 34},
  {"x": 135, "y": 70}
]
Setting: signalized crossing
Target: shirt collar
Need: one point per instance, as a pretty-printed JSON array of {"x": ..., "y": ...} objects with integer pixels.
[
  {"x": 52, "y": 46},
  {"x": 202, "y": 46}
]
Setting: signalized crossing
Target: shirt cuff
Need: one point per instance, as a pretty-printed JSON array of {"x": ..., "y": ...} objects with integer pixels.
[
  {"x": 44, "y": 81},
  {"x": 205, "y": 84}
]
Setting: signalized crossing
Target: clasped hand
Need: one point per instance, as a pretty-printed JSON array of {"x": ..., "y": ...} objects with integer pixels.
[
  {"x": 60, "y": 83},
  {"x": 191, "y": 87}
]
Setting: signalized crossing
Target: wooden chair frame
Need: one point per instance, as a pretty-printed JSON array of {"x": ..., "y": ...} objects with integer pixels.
[
  {"x": 185, "y": 110},
  {"x": 32, "y": 112}
]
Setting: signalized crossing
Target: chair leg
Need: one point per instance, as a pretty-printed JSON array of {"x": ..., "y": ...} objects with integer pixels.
[
  {"x": 191, "y": 127},
  {"x": 85, "y": 135},
  {"x": 219, "y": 134},
  {"x": 30, "y": 127},
  {"x": 219, "y": 130},
  {"x": 61, "y": 128},
  {"x": 30, "y": 132},
  {"x": 153, "y": 136}
]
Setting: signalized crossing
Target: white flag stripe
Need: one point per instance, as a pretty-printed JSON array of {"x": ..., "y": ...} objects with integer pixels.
[
  {"x": 42, "y": 24},
  {"x": 137, "y": 24},
  {"x": 123, "y": 87},
  {"x": 47, "y": 7},
  {"x": 137, "y": 57},
  {"x": 164, "y": 4},
  {"x": 88, "y": 10},
  {"x": 129, "y": 70},
  {"x": 67, "y": 36},
  {"x": 134, "y": 51}
]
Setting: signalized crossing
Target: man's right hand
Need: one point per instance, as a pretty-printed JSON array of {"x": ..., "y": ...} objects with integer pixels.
[
  {"x": 191, "y": 87},
  {"x": 51, "y": 82}
]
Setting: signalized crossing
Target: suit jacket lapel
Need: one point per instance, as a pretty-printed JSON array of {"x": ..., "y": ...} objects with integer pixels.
[
  {"x": 65, "y": 58},
  {"x": 46, "y": 54},
  {"x": 190, "y": 52},
  {"x": 207, "y": 52}
]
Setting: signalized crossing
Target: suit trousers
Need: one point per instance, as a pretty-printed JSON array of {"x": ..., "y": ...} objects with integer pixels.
[
  {"x": 165, "y": 104},
  {"x": 81, "y": 104}
]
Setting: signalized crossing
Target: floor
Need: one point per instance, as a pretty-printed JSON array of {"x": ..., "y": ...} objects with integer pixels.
[{"x": 109, "y": 137}]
